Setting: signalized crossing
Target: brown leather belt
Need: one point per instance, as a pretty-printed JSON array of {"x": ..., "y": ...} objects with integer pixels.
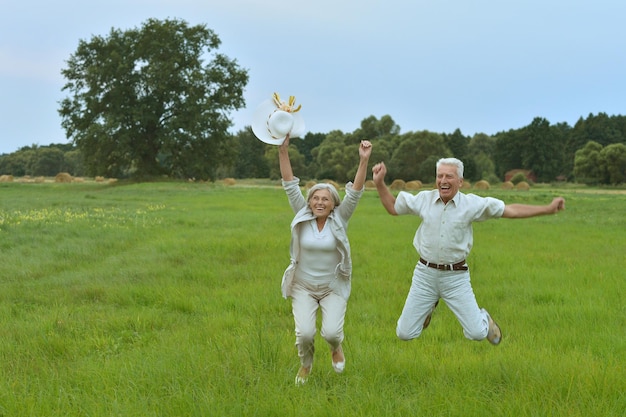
[{"x": 459, "y": 266}]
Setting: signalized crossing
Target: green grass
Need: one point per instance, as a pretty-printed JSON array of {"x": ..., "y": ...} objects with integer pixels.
[{"x": 163, "y": 299}]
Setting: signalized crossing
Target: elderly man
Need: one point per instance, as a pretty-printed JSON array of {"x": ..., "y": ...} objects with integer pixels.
[{"x": 444, "y": 240}]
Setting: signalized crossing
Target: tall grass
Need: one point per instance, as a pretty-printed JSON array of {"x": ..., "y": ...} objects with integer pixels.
[{"x": 163, "y": 300}]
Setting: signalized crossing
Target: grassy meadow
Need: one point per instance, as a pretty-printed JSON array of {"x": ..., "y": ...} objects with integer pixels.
[{"x": 163, "y": 299}]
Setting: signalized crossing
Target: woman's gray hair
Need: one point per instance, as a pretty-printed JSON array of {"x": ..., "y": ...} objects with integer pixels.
[
  {"x": 324, "y": 186},
  {"x": 452, "y": 161}
]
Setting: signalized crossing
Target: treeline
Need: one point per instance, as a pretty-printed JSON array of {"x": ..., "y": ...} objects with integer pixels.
[{"x": 593, "y": 151}]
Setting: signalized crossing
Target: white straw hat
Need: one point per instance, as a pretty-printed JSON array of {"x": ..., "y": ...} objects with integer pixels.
[{"x": 274, "y": 119}]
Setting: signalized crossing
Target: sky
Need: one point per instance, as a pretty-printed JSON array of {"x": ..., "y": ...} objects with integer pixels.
[{"x": 481, "y": 66}]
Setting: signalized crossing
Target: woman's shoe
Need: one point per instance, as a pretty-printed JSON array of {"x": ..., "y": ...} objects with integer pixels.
[
  {"x": 303, "y": 375},
  {"x": 339, "y": 360}
]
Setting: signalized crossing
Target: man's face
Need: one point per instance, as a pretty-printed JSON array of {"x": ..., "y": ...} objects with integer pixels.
[{"x": 448, "y": 182}]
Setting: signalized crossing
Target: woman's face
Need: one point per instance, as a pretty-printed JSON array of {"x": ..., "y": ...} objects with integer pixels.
[{"x": 321, "y": 203}]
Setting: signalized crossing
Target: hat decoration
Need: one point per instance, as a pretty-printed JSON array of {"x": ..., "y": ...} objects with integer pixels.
[{"x": 274, "y": 119}]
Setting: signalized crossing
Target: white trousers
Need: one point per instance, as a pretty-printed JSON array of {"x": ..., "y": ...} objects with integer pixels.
[
  {"x": 454, "y": 287},
  {"x": 306, "y": 299}
]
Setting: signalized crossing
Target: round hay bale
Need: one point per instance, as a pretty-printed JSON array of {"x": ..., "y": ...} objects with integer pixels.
[
  {"x": 369, "y": 185},
  {"x": 229, "y": 181},
  {"x": 482, "y": 185},
  {"x": 40, "y": 180},
  {"x": 522, "y": 186},
  {"x": 63, "y": 177},
  {"x": 99, "y": 179},
  {"x": 309, "y": 184},
  {"x": 333, "y": 183},
  {"x": 466, "y": 185},
  {"x": 112, "y": 181},
  {"x": 413, "y": 185},
  {"x": 508, "y": 185},
  {"x": 398, "y": 185},
  {"x": 6, "y": 178},
  {"x": 78, "y": 179}
]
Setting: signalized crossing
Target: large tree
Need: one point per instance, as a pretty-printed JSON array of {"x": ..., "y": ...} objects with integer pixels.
[
  {"x": 614, "y": 157},
  {"x": 542, "y": 149},
  {"x": 415, "y": 156},
  {"x": 588, "y": 164},
  {"x": 152, "y": 101}
]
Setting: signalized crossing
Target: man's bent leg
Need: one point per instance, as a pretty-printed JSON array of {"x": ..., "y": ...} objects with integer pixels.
[
  {"x": 459, "y": 296},
  {"x": 419, "y": 303}
]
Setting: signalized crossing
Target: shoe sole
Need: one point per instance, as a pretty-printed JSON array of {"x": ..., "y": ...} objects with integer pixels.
[
  {"x": 496, "y": 337},
  {"x": 430, "y": 316}
]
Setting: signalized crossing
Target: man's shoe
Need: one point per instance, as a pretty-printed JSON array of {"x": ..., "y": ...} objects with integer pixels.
[
  {"x": 303, "y": 375},
  {"x": 429, "y": 316},
  {"x": 340, "y": 365},
  {"x": 494, "y": 335}
]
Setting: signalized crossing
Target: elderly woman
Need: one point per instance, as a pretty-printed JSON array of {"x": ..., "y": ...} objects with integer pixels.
[{"x": 320, "y": 269}]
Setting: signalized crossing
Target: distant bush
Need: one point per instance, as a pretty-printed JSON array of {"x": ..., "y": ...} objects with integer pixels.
[{"x": 517, "y": 178}]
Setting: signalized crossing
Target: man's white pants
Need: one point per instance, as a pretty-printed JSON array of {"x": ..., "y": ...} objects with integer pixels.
[{"x": 454, "y": 287}]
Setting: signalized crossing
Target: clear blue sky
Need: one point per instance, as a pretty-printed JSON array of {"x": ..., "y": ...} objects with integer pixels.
[{"x": 438, "y": 65}]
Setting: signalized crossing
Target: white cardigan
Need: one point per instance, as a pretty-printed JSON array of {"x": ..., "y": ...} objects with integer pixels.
[{"x": 338, "y": 219}]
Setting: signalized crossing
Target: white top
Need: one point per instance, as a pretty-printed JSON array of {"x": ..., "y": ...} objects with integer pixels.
[
  {"x": 318, "y": 253},
  {"x": 445, "y": 235}
]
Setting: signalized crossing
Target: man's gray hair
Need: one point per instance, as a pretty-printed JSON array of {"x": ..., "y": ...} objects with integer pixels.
[
  {"x": 324, "y": 186},
  {"x": 452, "y": 161}
]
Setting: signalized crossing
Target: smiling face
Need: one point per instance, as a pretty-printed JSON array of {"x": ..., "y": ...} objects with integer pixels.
[
  {"x": 321, "y": 203},
  {"x": 448, "y": 182}
]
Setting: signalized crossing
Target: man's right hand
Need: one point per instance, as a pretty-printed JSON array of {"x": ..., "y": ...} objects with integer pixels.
[{"x": 378, "y": 172}]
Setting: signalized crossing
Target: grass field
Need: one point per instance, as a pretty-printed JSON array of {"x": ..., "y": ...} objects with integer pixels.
[{"x": 163, "y": 299}]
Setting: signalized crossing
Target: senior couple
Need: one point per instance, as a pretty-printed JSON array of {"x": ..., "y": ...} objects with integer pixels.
[{"x": 318, "y": 276}]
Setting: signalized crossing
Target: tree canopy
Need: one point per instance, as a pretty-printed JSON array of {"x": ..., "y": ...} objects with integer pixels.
[{"x": 152, "y": 101}]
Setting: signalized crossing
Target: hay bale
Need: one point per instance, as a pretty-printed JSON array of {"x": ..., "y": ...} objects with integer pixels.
[
  {"x": 40, "y": 180},
  {"x": 482, "y": 185},
  {"x": 63, "y": 177},
  {"x": 333, "y": 183},
  {"x": 6, "y": 178},
  {"x": 309, "y": 184},
  {"x": 112, "y": 181},
  {"x": 369, "y": 185},
  {"x": 99, "y": 179},
  {"x": 508, "y": 185},
  {"x": 413, "y": 185},
  {"x": 522, "y": 186},
  {"x": 78, "y": 179},
  {"x": 398, "y": 185},
  {"x": 466, "y": 185},
  {"x": 229, "y": 181}
]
